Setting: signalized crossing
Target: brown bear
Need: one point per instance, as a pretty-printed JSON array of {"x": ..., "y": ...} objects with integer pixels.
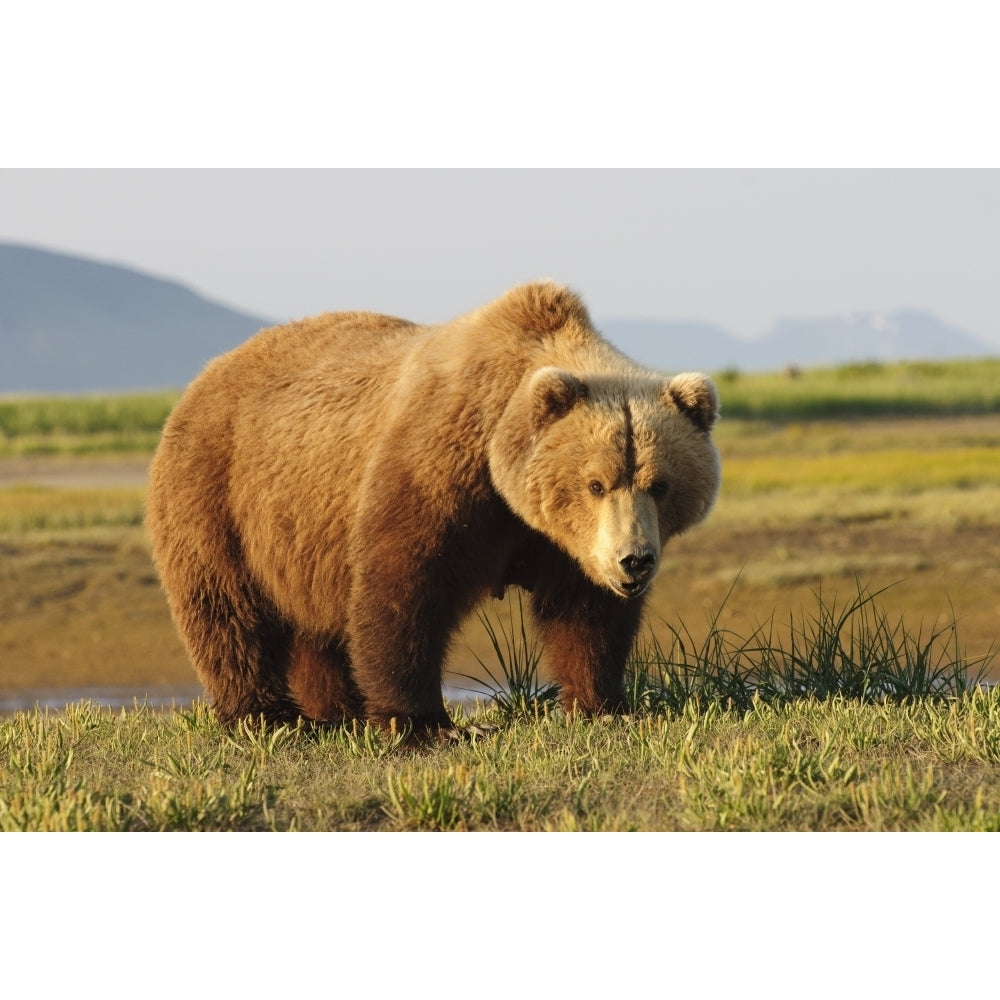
[{"x": 331, "y": 499}]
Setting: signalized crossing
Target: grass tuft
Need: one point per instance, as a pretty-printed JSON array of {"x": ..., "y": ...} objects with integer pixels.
[
  {"x": 519, "y": 691},
  {"x": 854, "y": 651}
]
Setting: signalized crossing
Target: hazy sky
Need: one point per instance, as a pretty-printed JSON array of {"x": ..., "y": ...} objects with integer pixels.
[{"x": 739, "y": 247}]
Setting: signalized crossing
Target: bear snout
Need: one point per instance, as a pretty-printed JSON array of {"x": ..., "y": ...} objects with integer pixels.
[{"x": 638, "y": 565}]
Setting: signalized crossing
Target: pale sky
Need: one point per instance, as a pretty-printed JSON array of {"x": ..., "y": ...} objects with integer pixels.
[
  {"x": 737, "y": 247},
  {"x": 534, "y": 83}
]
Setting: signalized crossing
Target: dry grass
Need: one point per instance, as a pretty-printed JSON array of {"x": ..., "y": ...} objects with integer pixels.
[{"x": 26, "y": 509}]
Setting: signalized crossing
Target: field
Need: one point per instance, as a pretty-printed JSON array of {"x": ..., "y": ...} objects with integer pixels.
[
  {"x": 878, "y": 480},
  {"x": 839, "y": 764}
]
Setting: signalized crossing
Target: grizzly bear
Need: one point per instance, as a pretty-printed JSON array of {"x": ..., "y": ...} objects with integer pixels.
[{"x": 331, "y": 499}]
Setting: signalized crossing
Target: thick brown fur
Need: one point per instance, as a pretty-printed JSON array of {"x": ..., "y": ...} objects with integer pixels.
[{"x": 331, "y": 499}]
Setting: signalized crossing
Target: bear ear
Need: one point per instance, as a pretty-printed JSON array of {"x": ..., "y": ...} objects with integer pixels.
[
  {"x": 695, "y": 396},
  {"x": 555, "y": 392}
]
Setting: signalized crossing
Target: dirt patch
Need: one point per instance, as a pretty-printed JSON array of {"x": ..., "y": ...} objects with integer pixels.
[
  {"x": 70, "y": 472},
  {"x": 85, "y": 611}
]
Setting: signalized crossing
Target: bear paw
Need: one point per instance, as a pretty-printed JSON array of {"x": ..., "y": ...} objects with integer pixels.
[{"x": 469, "y": 733}]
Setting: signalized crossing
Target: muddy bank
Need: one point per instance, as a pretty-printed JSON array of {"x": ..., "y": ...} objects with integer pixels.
[{"x": 70, "y": 472}]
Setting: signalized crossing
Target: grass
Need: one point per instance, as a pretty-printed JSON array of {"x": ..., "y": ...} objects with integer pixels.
[
  {"x": 915, "y": 388},
  {"x": 520, "y": 688},
  {"x": 838, "y": 764},
  {"x": 854, "y": 650},
  {"x": 888, "y": 469},
  {"x": 131, "y": 423},
  {"x": 25, "y": 508},
  {"x": 83, "y": 425},
  {"x": 858, "y": 724}
]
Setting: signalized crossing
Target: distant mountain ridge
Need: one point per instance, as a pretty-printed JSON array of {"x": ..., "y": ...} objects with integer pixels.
[
  {"x": 69, "y": 324},
  {"x": 904, "y": 334}
]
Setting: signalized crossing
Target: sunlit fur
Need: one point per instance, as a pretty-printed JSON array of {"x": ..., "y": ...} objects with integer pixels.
[{"x": 332, "y": 498}]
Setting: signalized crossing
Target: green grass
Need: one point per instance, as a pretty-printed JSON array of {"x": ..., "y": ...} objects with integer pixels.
[
  {"x": 864, "y": 390},
  {"x": 514, "y": 685},
  {"x": 131, "y": 423},
  {"x": 838, "y": 764},
  {"x": 83, "y": 425},
  {"x": 852, "y": 649},
  {"x": 856, "y": 724}
]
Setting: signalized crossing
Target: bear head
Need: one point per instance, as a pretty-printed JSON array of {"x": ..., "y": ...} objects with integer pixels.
[{"x": 608, "y": 467}]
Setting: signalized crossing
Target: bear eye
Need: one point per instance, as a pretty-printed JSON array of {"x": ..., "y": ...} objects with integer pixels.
[
  {"x": 596, "y": 488},
  {"x": 659, "y": 489}
]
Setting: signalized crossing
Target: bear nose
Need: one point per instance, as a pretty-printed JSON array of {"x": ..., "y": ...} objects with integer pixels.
[{"x": 638, "y": 563}]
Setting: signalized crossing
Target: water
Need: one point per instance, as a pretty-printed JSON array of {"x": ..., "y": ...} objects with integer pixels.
[
  {"x": 108, "y": 697},
  {"x": 152, "y": 697}
]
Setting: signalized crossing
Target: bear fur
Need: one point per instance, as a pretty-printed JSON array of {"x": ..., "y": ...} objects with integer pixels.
[{"x": 331, "y": 499}]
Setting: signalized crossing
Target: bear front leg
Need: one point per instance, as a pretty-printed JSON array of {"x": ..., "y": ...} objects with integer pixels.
[
  {"x": 397, "y": 670},
  {"x": 398, "y": 637},
  {"x": 414, "y": 551},
  {"x": 587, "y": 633}
]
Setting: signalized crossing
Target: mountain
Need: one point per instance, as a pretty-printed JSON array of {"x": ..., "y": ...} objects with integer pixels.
[
  {"x": 74, "y": 325},
  {"x": 906, "y": 334},
  {"x": 676, "y": 345}
]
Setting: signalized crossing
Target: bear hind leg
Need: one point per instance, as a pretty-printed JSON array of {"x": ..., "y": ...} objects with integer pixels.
[{"x": 240, "y": 652}]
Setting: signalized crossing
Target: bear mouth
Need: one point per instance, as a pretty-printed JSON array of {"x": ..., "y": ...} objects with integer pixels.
[{"x": 631, "y": 588}]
